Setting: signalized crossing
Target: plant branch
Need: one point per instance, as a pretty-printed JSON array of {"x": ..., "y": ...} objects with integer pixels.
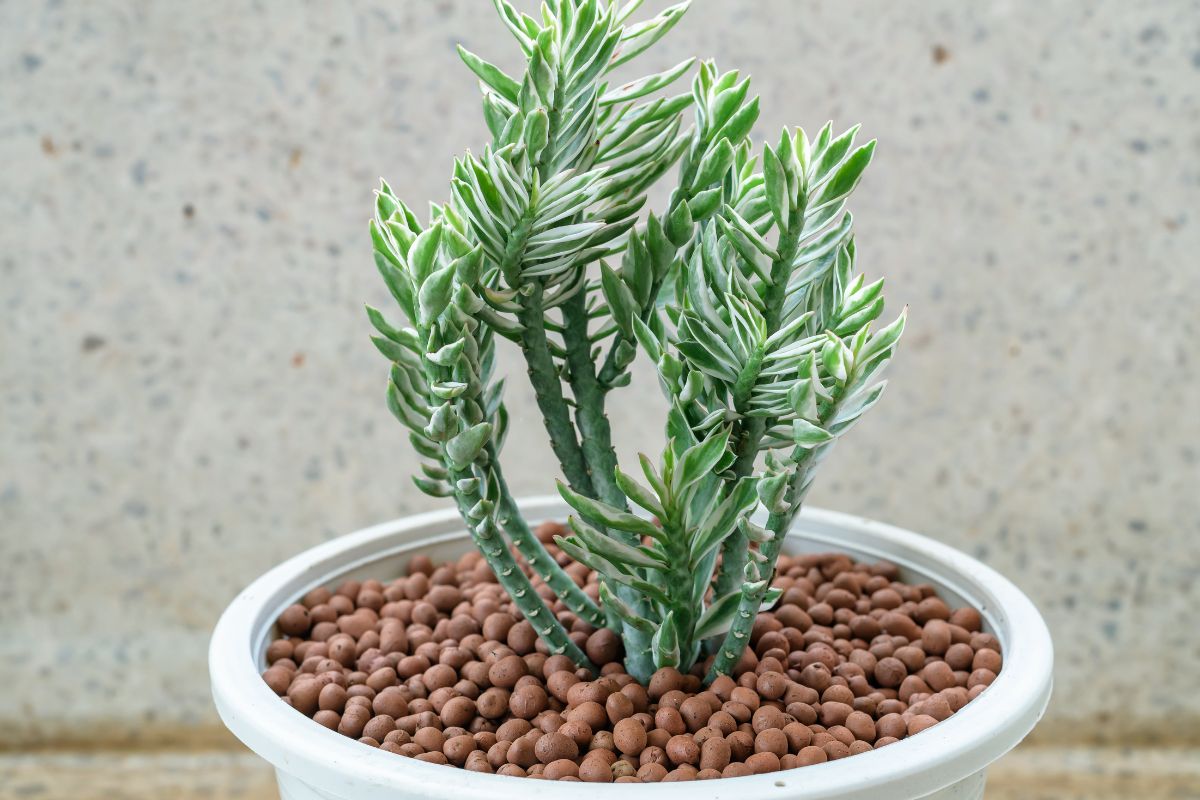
[
  {"x": 547, "y": 388},
  {"x": 512, "y": 522},
  {"x": 512, "y": 578},
  {"x": 595, "y": 433},
  {"x": 596, "y": 437}
]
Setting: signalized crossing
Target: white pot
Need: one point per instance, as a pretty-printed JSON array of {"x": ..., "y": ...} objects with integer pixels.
[{"x": 946, "y": 762}]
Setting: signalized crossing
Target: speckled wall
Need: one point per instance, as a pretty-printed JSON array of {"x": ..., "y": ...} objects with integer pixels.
[{"x": 187, "y": 394}]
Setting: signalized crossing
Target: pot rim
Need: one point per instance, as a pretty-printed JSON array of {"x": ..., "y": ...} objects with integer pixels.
[{"x": 981, "y": 732}]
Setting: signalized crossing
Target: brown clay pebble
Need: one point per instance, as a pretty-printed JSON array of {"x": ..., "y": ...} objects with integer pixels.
[
  {"x": 553, "y": 746},
  {"x": 762, "y": 763},
  {"x": 919, "y": 723},
  {"x": 771, "y": 740},
  {"x": 651, "y": 773},
  {"x": 294, "y": 621},
  {"x": 629, "y": 735},
  {"x": 440, "y": 666},
  {"x": 682, "y": 749},
  {"x": 594, "y": 770}
]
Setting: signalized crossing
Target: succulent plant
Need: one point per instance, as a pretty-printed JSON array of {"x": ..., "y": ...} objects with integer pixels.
[{"x": 743, "y": 291}]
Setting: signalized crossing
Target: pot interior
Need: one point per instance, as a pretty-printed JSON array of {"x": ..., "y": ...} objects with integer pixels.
[{"x": 809, "y": 535}]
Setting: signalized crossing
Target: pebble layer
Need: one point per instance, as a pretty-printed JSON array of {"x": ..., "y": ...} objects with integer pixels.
[{"x": 439, "y": 666}]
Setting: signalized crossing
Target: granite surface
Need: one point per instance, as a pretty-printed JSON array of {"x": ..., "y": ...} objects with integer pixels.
[{"x": 187, "y": 394}]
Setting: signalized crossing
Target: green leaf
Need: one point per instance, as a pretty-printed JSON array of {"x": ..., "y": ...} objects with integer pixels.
[
  {"x": 423, "y": 254},
  {"x": 508, "y": 328},
  {"x": 705, "y": 204},
  {"x": 646, "y": 338},
  {"x": 622, "y": 610},
  {"x": 835, "y": 358},
  {"x": 606, "y": 515},
  {"x": 699, "y": 460},
  {"x": 398, "y": 284},
  {"x": 491, "y": 75},
  {"x": 665, "y": 643},
  {"x": 833, "y": 154},
  {"x": 443, "y": 423},
  {"x": 466, "y": 446},
  {"x": 825, "y": 243},
  {"x": 802, "y": 398},
  {"x": 390, "y": 350},
  {"x": 496, "y": 114},
  {"x": 680, "y": 225},
  {"x": 776, "y": 184},
  {"x": 726, "y": 103},
  {"x": 423, "y": 445},
  {"x": 652, "y": 476},
  {"x": 720, "y": 523},
  {"x": 884, "y": 339},
  {"x": 642, "y": 36},
  {"x": 448, "y": 355},
  {"x": 717, "y": 618},
  {"x": 846, "y": 177},
  {"x": 755, "y": 534},
  {"x": 639, "y": 494},
  {"x": 405, "y": 337},
  {"x": 770, "y": 598},
  {"x": 537, "y": 132},
  {"x": 611, "y": 550},
  {"x": 432, "y": 487},
  {"x": 807, "y": 435},
  {"x": 714, "y": 165},
  {"x": 739, "y": 124},
  {"x": 401, "y": 410},
  {"x": 575, "y": 549},
  {"x": 382, "y": 245},
  {"x": 849, "y": 411},
  {"x": 621, "y": 302},
  {"x": 448, "y": 390},
  {"x": 435, "y": 294},
  {"x": 647, "y": 85},
  {"x": 469, "y": 267}
]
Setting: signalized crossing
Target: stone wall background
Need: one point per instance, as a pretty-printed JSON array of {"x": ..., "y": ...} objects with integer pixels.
[{"x": 187, "y": 394}]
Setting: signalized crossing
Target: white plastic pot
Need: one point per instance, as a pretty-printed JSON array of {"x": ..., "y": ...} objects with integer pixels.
[{"x": 946, "y": 762}]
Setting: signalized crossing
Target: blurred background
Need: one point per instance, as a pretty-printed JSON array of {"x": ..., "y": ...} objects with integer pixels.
[{"x": 188, "y": 394}]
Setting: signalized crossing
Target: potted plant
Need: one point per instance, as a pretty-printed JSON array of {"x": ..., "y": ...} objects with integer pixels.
[{"x": 689, "y": 621}]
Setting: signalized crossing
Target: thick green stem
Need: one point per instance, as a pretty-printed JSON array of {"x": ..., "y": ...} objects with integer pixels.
[
  {"x": 735, "y": 641},
  {"x": 512, "y": 522},
  {"x": 491, "y": 544},
  {"x": 735, "y": 550},
  {"x": 596, "y": 438},
  {"x": 595, "y": 433},
  {"x": 738, "y": 636},
  {"x": 547, "y": 388}
]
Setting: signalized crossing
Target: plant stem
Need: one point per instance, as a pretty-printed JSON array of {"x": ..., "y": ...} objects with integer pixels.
[
  {"x": 735, "y": 548},
  {"x": 596, "y": 437},
  {"x": 595, "y": 433},
  {"x": 491, "y": 544},
  {"x": 513, "y": 580},
  {"x": 512, "y": 522},
  {"x": 547, "y": 388},
  {"x": 738, "y": 636},
  {"x": 735, "y": 640}
]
